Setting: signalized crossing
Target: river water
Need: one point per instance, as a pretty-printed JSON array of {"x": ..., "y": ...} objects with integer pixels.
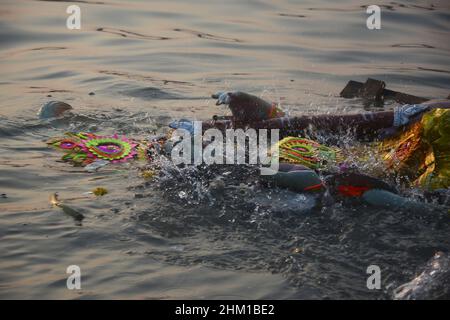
[{"x": 136, "y": 65}]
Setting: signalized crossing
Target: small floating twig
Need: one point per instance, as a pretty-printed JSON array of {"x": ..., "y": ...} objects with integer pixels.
[{"x": 77, "y": 216}]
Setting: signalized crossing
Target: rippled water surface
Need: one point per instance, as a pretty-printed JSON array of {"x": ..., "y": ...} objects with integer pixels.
[{"x": 136, "y": 65}]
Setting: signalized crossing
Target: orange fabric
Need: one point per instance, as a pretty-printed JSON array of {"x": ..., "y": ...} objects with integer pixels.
[
  {"x": 352, "y": 191},
  {"x": 314, "y": 187}
]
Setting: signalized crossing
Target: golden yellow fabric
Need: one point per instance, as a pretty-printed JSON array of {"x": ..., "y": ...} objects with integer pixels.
[
  {"x": 421, "y": 153},
  {"x": 436, "y": 133}
]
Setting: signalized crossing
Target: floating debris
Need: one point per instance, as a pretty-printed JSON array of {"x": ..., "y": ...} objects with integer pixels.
[
  {"x": 54, "y": 200},
  {"x": 94, "y": 166},
  {"x": 376, "y": 90},
  {"x": 99, "y": 191},
  {"x": 53, "y": 109},
  {"x": 148, "y": 174},
  {"x": 177, "y": 248}
]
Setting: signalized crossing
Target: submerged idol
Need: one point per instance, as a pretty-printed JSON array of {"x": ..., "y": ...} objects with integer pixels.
[{"x": 409, "y": 145}]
